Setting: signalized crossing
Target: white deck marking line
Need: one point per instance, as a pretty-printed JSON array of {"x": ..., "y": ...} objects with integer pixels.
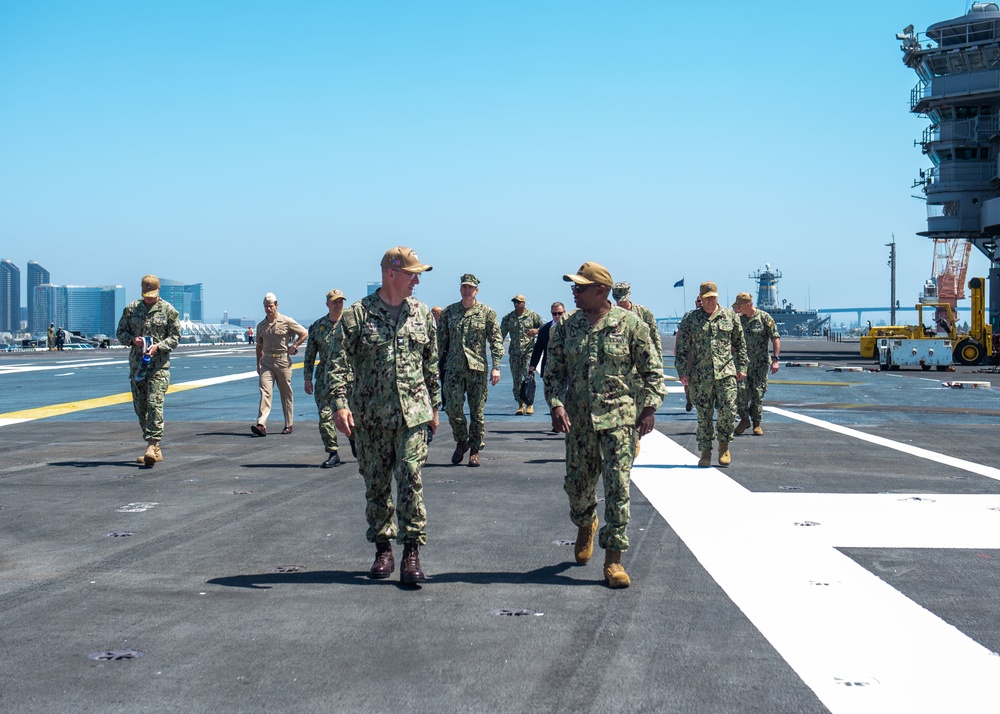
[
  {"x": 18, "y": 369},
  {"x": 987, "y": 471},
  {"x": 858, "y": 643}
]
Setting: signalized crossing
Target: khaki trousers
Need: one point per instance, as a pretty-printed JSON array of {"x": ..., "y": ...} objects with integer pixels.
[{"x": 275, "y": 371}]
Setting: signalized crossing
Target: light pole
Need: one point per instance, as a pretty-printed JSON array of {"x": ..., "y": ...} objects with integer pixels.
[{"x": 892, "y": 280}]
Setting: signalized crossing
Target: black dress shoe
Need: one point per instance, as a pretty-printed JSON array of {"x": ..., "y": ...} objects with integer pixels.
[
  {"x": 287, "y": 430},
  {"x": 259, "y": 429},
  {"x": 331, "y": 461}
]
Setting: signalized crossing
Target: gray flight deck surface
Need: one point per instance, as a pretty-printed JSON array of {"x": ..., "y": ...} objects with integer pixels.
[{"x": 243, "y": 580}]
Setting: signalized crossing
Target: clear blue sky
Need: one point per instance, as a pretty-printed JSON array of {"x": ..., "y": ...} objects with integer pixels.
[{"x": 266, "y": 146}]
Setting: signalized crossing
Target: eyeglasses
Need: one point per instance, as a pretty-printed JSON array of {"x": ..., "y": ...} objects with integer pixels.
[
  {"x": 558, "y": 313},
  {"x": 580, "y": 288}
]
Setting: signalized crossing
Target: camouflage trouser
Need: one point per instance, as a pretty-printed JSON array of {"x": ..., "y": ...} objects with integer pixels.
[
  {"x": 518, "y": 370},
  {"x": 382, "y": 454},
  {"x": 147, "y": 399},
  {"x": 600, "y": 454},
  {"x": 750, "y": 399},
  {"x": 708, "y": 396},
  {"x": 458, "y": 384},
  {"x": 327, "y": 431}
]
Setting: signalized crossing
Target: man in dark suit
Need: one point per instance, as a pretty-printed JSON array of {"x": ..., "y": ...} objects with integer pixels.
[{"x": 542, "y": 341}]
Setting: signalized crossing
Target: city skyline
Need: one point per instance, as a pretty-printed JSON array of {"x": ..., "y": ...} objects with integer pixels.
[
  {"x": 183, "y": 295},
  {"x": 86, "y": 309}
]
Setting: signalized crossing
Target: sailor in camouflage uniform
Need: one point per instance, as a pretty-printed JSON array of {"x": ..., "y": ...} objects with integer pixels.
[
  {"x": 320, "y": 335},
  {"x": 622, "y": 293},
  {"x": 759, "y": 328},
  {"x": 463, "y": 331},
  {"x": 522, "y": 325},
  {"x": 150, "y": 326},
  {"x": 388, "y": 341},
  {"x": 593, "y": 352},
  {"x": 711, "y": 357}
]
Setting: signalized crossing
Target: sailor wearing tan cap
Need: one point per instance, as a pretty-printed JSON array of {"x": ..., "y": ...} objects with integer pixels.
[
  {"x": 711, "y": 357},
  {"x": 320, "y": 336},
  {"x": 389, "y": 343},
  {"x": 593, "y": 353},
  {"x": 759, "y": 328},
  {"x": 151, "y": 327},
  {"x": 522, "y": 325}
]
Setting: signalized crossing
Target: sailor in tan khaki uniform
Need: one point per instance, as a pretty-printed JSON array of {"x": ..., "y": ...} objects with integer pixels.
[{"x": 278, "y": 338}]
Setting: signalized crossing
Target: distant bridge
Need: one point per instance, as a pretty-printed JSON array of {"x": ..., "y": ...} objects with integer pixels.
[{"x": 668, "y": 324}]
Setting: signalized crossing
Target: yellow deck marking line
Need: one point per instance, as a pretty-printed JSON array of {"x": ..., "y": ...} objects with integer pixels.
[
  {"x": 114, "y": 399},
  {"x": 813, "y": 384},
  {"x": 790, "y": 381}
]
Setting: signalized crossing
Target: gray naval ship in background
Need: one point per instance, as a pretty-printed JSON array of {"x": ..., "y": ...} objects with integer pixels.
[{"x": 800, "y": 323}]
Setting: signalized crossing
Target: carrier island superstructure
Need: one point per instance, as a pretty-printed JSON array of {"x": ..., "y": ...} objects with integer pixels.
[
  {"x": 958, "y": 65},
  {"x": 789, "y": 320}
]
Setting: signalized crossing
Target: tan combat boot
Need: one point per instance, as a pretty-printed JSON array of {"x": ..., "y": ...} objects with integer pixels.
[
  {"x": 724, "y": 457},
  {"x": 706, "y": 459},
  {"x": 520, "y": 409},
  {"x": 614, "y": 573},
  {"x": 743, "y": 425},
  {"x": 583, "y": 550},
  {"x": 529, "y": 409},
  {"x": 757, "y": 431},
  {"x": 152, "y": 455}
]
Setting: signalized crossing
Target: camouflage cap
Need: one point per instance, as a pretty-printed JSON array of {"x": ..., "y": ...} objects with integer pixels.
[
  {"x": 335, "y": 294},
  {"x": 150, "y": 286},
  {"x": 519, "y": 298},
  {"x": 591, "y": 274},
  {"x": 708, "y": 289},
  {"x": 403, "y": 258},
  {"x": 620, "y": 291},
  {"x": 470, "y": 279},
  {"x": 743, "y": 299}
]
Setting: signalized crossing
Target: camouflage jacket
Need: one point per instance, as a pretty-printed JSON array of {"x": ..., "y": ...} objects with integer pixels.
[
  {"x": 318, "y": 346},
  {"x": 394, "y": 363},
  {"x": 595, "y": 365},
  {"x": 463, "y": 335},
  {"x": 517, "y": 327},
  {"x": 159, "y": 321},
  {"x": 646, "y": 315},
  {"x": 759, "y": 331},
  {"x": 710, "y": 347}
]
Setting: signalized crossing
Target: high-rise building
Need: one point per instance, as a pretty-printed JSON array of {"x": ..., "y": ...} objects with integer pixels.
[
  {"x": 10, "y": 297},
  {"x": 37, "y": 275},
  {"x": 186, "y": 299},
  {"x": 89, "y": 310},
  {"x": 50, "y": 306}
]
